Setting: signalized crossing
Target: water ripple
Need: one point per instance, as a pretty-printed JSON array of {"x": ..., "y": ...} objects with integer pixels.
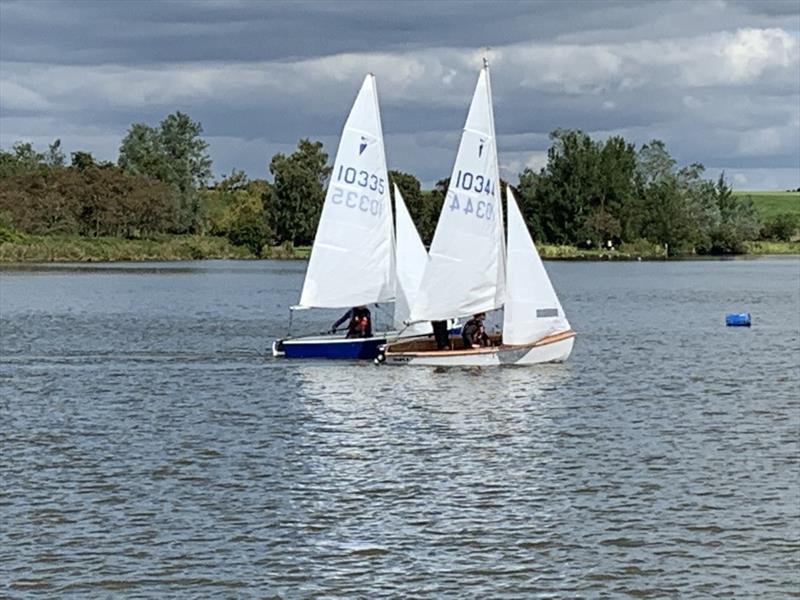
[{"x": 151, "y": 452}]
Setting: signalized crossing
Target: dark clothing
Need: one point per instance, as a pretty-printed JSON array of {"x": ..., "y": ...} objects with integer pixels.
[
  {"x": 474, "y": 334},
  {"x": 360, "y": 325},
  {"x": 344, "y": 318},
  {"x": 441, "y": 335}
]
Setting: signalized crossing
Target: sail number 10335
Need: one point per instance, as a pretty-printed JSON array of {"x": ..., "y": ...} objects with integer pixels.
[
  {"x": 361, "y": 178},
  {"x": 357, "y": 200}
]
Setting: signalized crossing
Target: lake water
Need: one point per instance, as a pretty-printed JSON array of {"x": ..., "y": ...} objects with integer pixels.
[{"x": 150, "y": 447}]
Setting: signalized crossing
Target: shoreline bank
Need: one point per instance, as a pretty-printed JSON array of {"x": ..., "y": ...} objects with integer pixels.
[{"x": 55, "y": 249}]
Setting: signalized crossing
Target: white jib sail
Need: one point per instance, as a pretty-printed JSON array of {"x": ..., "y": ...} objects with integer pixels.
[
  {"x": 532, "y": 309},
  {"x": 410, "y": 260},
  {"x": 352, "y": 260},
  {"x": 465, "y": 273}
]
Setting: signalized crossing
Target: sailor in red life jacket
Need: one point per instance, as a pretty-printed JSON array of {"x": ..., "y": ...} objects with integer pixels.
[{"x": 360, "y": 325}]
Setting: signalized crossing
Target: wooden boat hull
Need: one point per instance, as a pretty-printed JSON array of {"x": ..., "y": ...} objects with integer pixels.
[{"x": 553, "y": 348}]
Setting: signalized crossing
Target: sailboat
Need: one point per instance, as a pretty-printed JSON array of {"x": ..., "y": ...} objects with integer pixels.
[
  {"x": 470, "y": 270},
  {"x": 353, "y": 259}
]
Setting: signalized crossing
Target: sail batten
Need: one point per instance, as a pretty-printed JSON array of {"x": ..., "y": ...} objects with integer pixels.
[{"x": 352, "y": 259}]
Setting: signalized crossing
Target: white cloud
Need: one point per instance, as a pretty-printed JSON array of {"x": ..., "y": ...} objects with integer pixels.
[
  {"x": 711, "y": 95},
  {"x": 691, "y": 102},
  {"x": 513, "y": 163},
  {"x": 15, "y": 96},
  {"x": 760, "y": 142},
  {"x": 758, "y": 178},
  {"x": 750, "y": 52},
  {"x": 435, "y": 76}
]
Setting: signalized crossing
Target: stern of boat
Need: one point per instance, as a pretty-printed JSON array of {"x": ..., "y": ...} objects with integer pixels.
[{"x": 277, "y": 349}]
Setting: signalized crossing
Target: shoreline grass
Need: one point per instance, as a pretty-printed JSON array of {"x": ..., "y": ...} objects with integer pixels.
[
  {"x": 65, "y": 248},
  {"x": 70, "y": 248}
]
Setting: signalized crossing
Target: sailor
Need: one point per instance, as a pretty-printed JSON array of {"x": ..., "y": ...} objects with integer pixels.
[
  {"x": 441, "y": 334},
  {"x": 474, "y": 334},
  {"x": 360, "y": 325}
]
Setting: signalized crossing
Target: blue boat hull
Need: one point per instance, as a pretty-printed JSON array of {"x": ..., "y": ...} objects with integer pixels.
[
  {"x": 347, "y": 349},
  {"x": 333, "y": 346}
]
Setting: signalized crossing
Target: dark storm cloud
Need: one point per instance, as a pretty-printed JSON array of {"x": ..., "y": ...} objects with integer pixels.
[
  {"x": 719, "y": 82},
  {"x": 137, "y": 32}
]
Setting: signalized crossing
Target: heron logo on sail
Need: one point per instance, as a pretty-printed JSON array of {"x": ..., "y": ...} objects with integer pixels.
[{"x": 480, "y": 147}]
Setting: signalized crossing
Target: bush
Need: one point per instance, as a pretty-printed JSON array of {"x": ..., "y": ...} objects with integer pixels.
[
  {"x": 285, "y": 250},
  {"x": 643, "y": 248},
  {"x": 780, "y": 227},
  {"x": 250, "y": 231},
  {"x": 8, "y": 233}
]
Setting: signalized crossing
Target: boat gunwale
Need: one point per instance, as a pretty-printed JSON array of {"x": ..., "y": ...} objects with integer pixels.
[{"x": 545, "y": 341}]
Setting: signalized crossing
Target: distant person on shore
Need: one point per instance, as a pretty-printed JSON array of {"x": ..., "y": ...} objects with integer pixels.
[
  {"x": 360, "y": 325},
  {"x": 474, "y": 334}
]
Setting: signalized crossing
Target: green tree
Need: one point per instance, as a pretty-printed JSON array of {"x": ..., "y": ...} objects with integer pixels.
[
  {"x": 248, "y": 226},
  {"x": 214, "y": 211},
  {"x": 82, "y": 160},
  {"x": 600, "y": 226},
  {"x": 93, "y": 200},
  {"x": 654, "y": 164},
  {"x": 23, "y": 157},
  {"x": 433, "y": 200},
  {"x": 234, "y": 208},
  {"x": 700, "y": 205},
  {"x": 582, "y": 192},
  {"x": 55, "y": 156},
  {"x": 142, "y": 153},
  {"x": 739, "y": 221},
  {"x": 175, "y": 154},
  {"x": 295, "y": 199},
  {"x": 423, "y": 206}
]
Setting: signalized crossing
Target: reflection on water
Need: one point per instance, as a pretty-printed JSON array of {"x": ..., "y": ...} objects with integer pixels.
[{"x": 151, "y": 447}]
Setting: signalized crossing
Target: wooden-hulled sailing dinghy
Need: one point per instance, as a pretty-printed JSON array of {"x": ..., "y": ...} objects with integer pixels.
[{"x": 470, "y": 270}]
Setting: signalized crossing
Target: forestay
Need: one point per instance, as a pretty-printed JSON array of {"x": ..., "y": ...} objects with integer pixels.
[
  {"x": 465, "y": 273},
  {"x": 410, "y": 260},
  {"x": 532, "y": 309},
  {"x": 352, "y": 260}
]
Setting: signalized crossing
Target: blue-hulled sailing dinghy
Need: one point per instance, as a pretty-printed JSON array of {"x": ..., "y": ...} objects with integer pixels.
[{"x": 353, "y": 260}]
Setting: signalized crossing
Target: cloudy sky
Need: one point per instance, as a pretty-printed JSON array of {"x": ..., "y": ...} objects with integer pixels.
[{"x": 718, "y": 81}]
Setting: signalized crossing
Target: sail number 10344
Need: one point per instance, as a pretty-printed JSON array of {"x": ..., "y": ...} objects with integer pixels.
[
  {"x": 470, "y": 182},
  {"x": 480, "y": 209}
]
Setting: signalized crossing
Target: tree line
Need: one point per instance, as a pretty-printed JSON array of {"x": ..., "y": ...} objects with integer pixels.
[{"x": 589, "y": 193}]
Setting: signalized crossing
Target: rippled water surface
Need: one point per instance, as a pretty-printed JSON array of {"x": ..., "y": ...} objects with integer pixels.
[{"x": 150, "y": 447}]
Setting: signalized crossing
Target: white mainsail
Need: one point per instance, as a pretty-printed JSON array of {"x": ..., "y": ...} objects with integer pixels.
[
  {"x": 532, "y": 310},
  {"x": 465, "y": 273},
  {"x": 352, "y": 260},
  {"x": 410, "y": 261}
]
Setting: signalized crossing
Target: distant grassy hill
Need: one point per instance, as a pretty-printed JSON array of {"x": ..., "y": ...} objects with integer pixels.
[{"x": 770, "y": 204}]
